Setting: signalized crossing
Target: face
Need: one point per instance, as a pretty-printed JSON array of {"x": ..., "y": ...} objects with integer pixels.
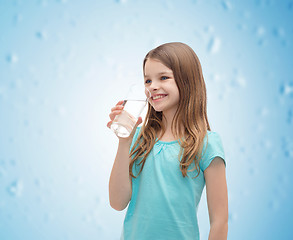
[{"x": 159, "y": 80}]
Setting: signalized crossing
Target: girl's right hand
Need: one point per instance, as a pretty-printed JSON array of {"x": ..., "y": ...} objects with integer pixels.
[{"x": 116, "y": 111}]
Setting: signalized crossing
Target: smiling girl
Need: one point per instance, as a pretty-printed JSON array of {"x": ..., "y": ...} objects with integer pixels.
[{"x": 160, "y": 170}]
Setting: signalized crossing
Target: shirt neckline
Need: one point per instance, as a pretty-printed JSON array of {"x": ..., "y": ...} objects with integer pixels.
[
  {"x": 174, "y": 141},
  {"x": 165, "y": 142}
]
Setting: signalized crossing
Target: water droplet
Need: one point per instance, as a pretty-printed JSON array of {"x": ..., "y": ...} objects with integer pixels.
[
  {"x": 38, "y": 182},
  {"x": 2, "y": 162},
  {"x": 41, "y": 35},
  {"x": 260, "y": 127},
  {"x": 12, "y": 58},
  {"x": 48, "y": 217},
  {"x": 121, "y": 1},
  {"x": 263, "y": 3},
  {"x": 240, "y": 81},
  {"x": 17, "y": 18},
  {"x": 226, "y": 5},
  {"x": 43, "y": 3},
  {"x": 87, "y": 218},
  {"x": 11, "y": 140},
  {"x": 261, "y": 42},
  {"x": 279, "y": 32},
  {"x": 260, "y": 31},
  {"x": 16, "y": 84},
  {"x": 287, "y": 145},
  {"x": 30, "y": 100},
  {"x": 26, "y": 122},
  {"x": 287, "y": 89},
  {"x": 251, "y": 171},
  {"x": 241, "y": 26},
  {"x": 209, "y": 29},
  {"x": 12, "y": 162},
  {"x": 214, "y": 45},
  {"x": 264, "y": 112},
  {"x": 15, "y": 188},
  {"x": 2, "y": 172},
  {"x": 246, "y": 14},
  {"x": 266, "y": 144},
  {"x": 62, "y": 1},
  {"x": 274, "y": 205},
  {"x": 216, "y": 78},
  {"x": 242, "y": 149},
  {"x": 284, "y": 178}
]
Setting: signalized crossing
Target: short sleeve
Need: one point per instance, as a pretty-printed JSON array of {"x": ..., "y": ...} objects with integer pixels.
[{"x": 212, "y": 148}]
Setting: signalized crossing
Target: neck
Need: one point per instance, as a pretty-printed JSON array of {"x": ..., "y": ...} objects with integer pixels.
[
  {"x": 167, "y": 122},
  {"x": 168, "y": 117}
]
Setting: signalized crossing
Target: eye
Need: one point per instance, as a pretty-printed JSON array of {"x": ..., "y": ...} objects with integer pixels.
[
  {"x": 164, "y": 78},
  {"x": 147, "y": 81}
]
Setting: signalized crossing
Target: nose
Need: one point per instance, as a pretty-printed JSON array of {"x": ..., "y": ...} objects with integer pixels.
[{"x": 154, "y": 86}]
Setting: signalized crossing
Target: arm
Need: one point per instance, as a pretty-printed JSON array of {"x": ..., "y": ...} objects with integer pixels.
[
  {"x": 120, "y": 187},
  {"x": 217, "y": 199},
  {"x": 120, "y": 181}
]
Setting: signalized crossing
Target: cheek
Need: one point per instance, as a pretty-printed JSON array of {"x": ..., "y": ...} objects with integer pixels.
[
  {"x": 147, "y": 93},
  {"x": 150, "y": 103},
  {"x": 154, "y": 106}
]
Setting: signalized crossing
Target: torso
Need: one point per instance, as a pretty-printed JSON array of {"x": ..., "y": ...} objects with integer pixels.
[{"x": 167, "y": 137}]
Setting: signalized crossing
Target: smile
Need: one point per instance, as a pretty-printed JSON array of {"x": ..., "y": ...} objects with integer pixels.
[{"x": 159, "y": 96}]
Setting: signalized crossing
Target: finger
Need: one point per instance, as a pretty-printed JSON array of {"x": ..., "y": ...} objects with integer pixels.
[
  {"x": 139, "y": 121},
  {"x": 109, "y": 124},
  {"x": 120, "y": 102},
  {"x": 113, "y": 114},
  {"x": 117, "y": 107}
]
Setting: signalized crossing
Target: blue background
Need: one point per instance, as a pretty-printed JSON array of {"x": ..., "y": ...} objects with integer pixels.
[{"x": 64, "y": 64}]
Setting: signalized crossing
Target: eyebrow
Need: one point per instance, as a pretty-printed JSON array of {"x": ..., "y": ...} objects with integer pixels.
[{"x": 160, "y": 73}]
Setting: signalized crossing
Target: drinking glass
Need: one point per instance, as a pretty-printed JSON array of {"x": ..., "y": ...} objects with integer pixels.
[{"x": 134, "y": 104}]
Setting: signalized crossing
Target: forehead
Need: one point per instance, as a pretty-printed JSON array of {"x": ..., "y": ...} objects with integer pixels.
[{"x": 153, "y": 67}]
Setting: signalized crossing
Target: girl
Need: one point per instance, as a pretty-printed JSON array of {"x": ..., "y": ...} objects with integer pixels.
[{"x": 163, "y": 166}]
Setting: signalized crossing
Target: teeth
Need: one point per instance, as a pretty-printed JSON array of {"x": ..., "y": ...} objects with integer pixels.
[{"x": 158, "y": 96}]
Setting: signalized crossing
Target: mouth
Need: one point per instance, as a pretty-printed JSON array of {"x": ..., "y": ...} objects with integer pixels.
[{"x": 158, "y": 97}]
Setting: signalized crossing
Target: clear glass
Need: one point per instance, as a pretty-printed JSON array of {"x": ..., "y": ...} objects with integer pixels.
[
  {"x": 135, "y": 103},
  {"x": 124, "y": 123}
]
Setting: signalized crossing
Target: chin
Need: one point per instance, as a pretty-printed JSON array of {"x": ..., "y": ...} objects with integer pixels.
[{"x": 157, "y": 109}]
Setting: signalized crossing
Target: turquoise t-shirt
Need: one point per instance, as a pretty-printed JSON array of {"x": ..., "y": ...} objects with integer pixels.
[{"x": 163, "y": 204}]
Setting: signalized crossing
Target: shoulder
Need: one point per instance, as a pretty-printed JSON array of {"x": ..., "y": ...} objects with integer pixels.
[
  {"x": 212, "y": 137},
  {"x": 212, "y": 147},
  {"x": 212, "y": 134}
]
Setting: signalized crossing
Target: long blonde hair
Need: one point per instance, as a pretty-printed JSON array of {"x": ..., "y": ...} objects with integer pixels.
[{"x": 191, "y": 112}]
